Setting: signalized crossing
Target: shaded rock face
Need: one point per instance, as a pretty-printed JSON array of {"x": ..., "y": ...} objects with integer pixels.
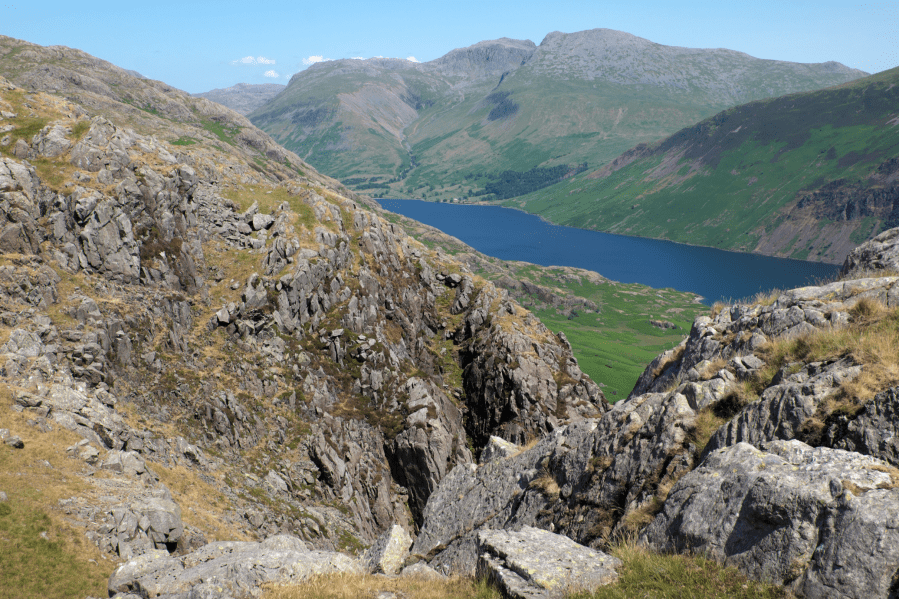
[
  {"x": 520, "y": 386},
  {"x": 820, "y": 520}
]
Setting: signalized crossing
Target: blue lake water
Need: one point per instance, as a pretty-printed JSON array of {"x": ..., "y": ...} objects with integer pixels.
[{"x": 514, "y": 235}]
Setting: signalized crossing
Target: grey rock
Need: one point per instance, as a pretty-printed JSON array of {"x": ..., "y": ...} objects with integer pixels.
[
  {"x": 14, "y": 441},
  {"x": 879, "y": 253},
  {"x": 498, "y": 449},
  {"x": 387, "y": 554},
  {"x": 821, "y": 520},
  {"x": 783, "y": 409},
  {"x": 536, "y": 564},
  {"x": 423, "y": 571},
  {"x": 3, "y": 497},
  {"x": 262, "y": 221},
  {"x": 237, "y": 568},
  {"x": 24, "y": 343},
  {"x": 874, "y": 430},
  {"x": 52, "y": 140},
  {"x": 127, "y": 463}
]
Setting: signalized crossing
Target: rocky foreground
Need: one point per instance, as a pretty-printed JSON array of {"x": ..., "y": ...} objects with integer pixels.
[{"x": 240, "y": 374}]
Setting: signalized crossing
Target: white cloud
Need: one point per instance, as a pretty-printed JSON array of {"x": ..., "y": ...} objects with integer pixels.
[
  {"x": 412, "y": 59},
  {"x": 271, "y": 73},
  {"x": 253, "y": 60},
  {"x": 357, "y": 58},
  {"x": 314, "y": 59}
]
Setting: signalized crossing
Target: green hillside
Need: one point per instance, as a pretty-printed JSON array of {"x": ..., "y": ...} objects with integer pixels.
[
  {"x": 449, "y": 127},
  {"x": 807, "y": 176}
]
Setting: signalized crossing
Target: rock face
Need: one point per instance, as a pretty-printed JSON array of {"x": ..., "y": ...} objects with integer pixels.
[
  {"x": 203, "y": 313},
  {"x": 820, "y": 520},
  {"x": 880, "y": 253},
  {"x": 536, "y": 564}
]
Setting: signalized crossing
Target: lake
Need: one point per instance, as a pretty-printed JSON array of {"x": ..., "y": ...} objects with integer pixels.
[{"x": 514, "y": 235}]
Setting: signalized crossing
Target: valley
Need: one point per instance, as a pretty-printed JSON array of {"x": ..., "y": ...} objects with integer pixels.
[{"x": 224, "y": 373}]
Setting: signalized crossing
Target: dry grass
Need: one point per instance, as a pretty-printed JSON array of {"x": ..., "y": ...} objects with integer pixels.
[
  {"x": 672, "y": 358},
  {"x": 871, "y": 339},
  {"x": 704, "y": 426},
  {"x": 365, "y": 586},
  {"x": 42, "y": 555},
  {"x": 545, "y": 482},
  {"x": 201, "y": 504}
]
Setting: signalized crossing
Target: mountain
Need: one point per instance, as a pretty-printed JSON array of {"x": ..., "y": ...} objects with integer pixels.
[
  {"x": 243, "y": 98},
  {"x": 448, "y": 127},
  {"x": 806, "y": 176}
]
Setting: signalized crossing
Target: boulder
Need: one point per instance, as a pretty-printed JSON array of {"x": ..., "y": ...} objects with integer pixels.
[
  {"x": 536, "y": 564},
  {"x": 821, "y": 520},
  {"x": 387, "y": 554},
  {"x": 238, "y": 569}
]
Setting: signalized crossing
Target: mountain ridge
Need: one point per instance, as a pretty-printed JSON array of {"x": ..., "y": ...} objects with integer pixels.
[
  {"x": 408, "y": 129},
  {"x": 808, "y": 175}
]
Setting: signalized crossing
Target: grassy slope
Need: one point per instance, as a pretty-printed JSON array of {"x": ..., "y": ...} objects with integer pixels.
[{"x": 729, "y": 180}]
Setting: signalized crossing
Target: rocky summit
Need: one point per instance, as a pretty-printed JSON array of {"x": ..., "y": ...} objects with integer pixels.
[{"x": 224, "y": 371}]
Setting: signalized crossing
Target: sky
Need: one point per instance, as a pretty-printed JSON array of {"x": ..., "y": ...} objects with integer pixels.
[{"x": 199, "y": 45}]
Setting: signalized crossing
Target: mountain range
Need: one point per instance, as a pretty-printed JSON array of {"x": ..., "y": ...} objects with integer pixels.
[{"x": 447, "y": 127}]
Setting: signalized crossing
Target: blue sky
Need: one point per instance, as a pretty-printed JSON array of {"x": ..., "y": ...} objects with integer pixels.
[{"x": 201, "y": 45}]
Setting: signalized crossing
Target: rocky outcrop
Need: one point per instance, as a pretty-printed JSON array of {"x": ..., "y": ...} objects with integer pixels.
[
  {"x": 520, "y": 382},
  {"x": 880, "y": 253},
  {"x": 536, "y": 564},
  {"x": 819, "y": 520},
  {"x": 226, "y": 569}
]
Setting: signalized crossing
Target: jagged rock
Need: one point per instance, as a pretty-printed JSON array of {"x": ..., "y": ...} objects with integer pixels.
[
  {"x": 536, "y": 564},
  {"x": 498, "y": 449},
  {"x": 23, "y": 343},
  {"x": 238, "y": 568},
  {"x": 880, "y": 253},
  {"x": 516, "y": 388},
  {"x": 83, "y": 450},
  {"x": 51, "y": 141},
  {"x": 151, "y": 522},
  {"x": 431, "y": 444},
  {"x": 873, "y": 430},
  {"x": 127, "y": 463},
  {"x": 387, "y": 554},
  {"x": 820, "y": 520},
  {"x": 463, "y": 295},
  {"x": 784, "y": 408}
]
